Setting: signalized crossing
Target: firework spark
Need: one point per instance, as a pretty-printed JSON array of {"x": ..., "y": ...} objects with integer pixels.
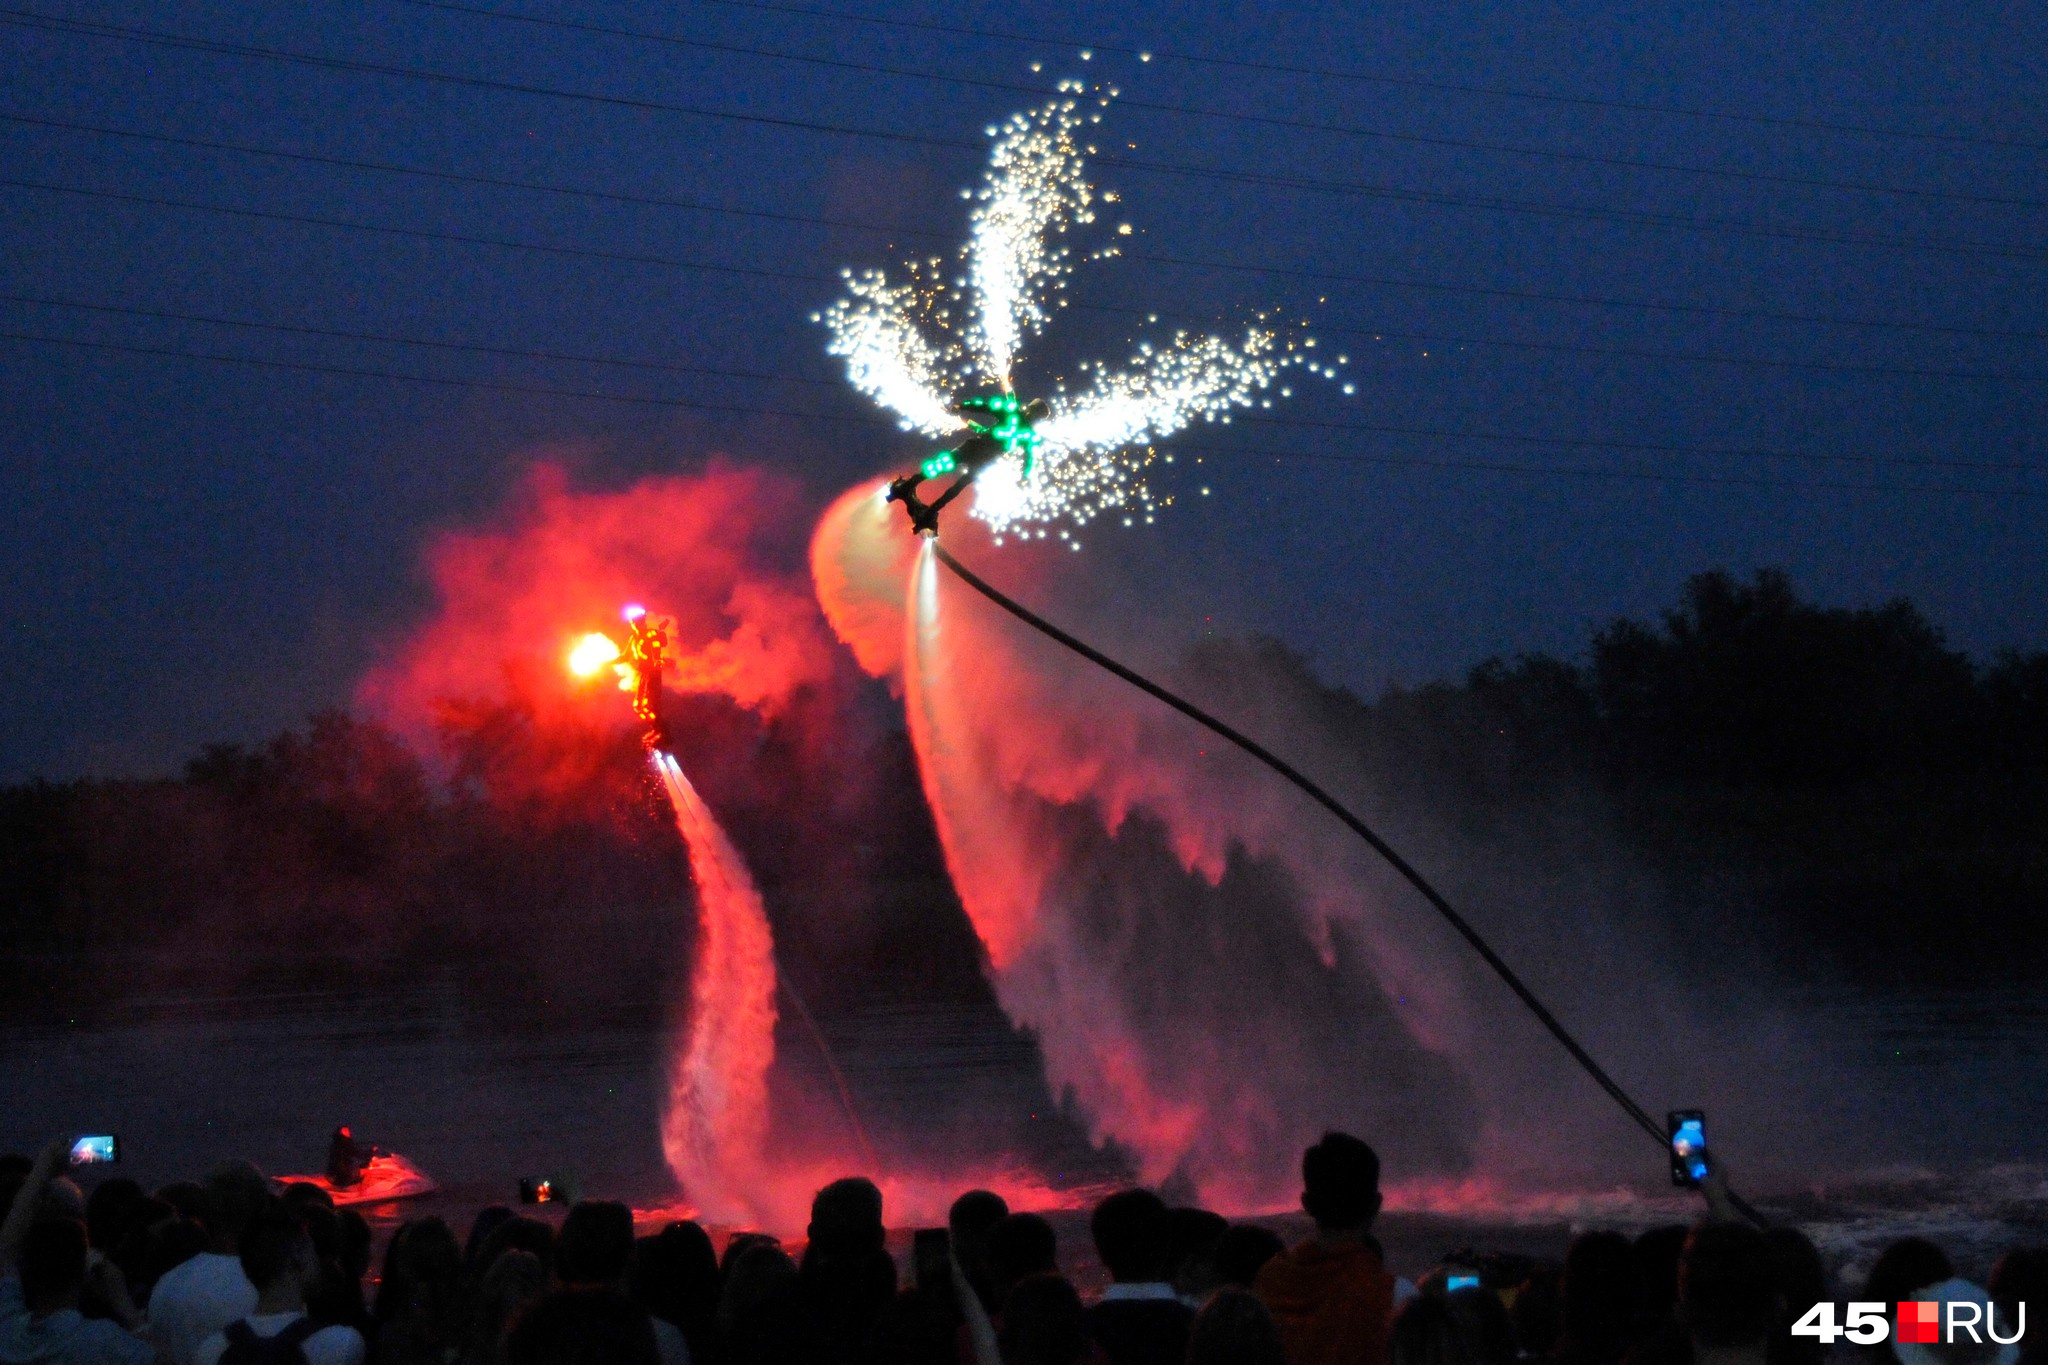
[{"x": 914, "y": 345}]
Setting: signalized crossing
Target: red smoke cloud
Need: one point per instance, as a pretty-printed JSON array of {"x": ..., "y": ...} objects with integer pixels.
[{"x": 557, "y": 562}]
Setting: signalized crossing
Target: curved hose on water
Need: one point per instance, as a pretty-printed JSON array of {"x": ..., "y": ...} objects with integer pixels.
[{"x": 1635, "y": 1111}]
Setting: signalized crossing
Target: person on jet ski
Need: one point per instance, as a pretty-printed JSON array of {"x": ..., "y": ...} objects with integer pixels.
[{"x": 346, "y": 1158}]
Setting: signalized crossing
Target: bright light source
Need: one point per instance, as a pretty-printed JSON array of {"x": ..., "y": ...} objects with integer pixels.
[{"x": 592, "y": 653}]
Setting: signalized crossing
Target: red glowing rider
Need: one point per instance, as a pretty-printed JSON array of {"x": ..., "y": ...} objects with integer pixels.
[{"x": 647, "y": 649}]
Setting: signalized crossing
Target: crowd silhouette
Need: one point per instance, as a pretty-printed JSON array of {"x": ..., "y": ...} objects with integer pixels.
[{"x": 236, "y": 1270}]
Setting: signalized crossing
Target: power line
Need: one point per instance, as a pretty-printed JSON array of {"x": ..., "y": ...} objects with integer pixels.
[
  {"x": 904, "y": 230},
  {"x": 462, "y": 178},
  {"x": 1235, "y": 116},
  {"x": 670, "y": 262},
  {"x": 1040, "y": 42},
  {"x": 844, "y": 419},
  {"x": 1691, "y": 357},
  {"x": 1436, "y": 433},
  {"x": 1353, "y": 189},
  {"x": 1790, "y": 232},
  {"x": 157, "y": 38},
  {"x": 1592, "y": 443},
  {"x": 493, "y": 385},
  {"x": 463, "y": 239},
  {"x": 425, "y": 343}
]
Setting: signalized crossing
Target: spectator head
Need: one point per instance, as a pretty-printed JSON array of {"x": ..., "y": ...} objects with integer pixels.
[
  {"x": 1340, "y": 1184},
  {"x": 169, "y": 1245},
  {"x": 1044, "y": 1323},
  {"x": 128, "y": 1251},
  {"x": 487, "y": 1221},
  {"x": 276, "y": 1250},
  {"x": 1191, "y": 1238},
  {"x": 1129, "y": 1229},
  {"x": 1727, "y": 1295},
  {"x": 582, "y": 1325},
  {"x": 109, "y": 1210},
  {"x": 355, "y": 1243},
  {"x": 303, "y": 1194},
  {"x": 1538, "y": 1313},
  {"x": 1234, "y": 1328},
  {"x": 1802, "y": 1281},
  {"x": 1019, "y": 1245},
  {"x": 1599, "y": 1291},
  {"x": 675, "y": 1277},
  {"x": 596, "y": 1245},
  {"x": 188, "y": 1197},
  {"x": 515, "y": 1281},
  {"x": 518, "y": 1234},
  {"x": 974, "y": 1213},
  {"x": 1483, "y": 1325},
  {"x": 1958, "y": 1348},
  {"x": 759, "y": 1310},
  {"x": 846, "y": 1220},
  {"x": 1656, "y": 1254},
  {"x": 1425, "y": 1332},
  {"x": 10, "y": 1185},
  {"x": 738, "y": 1244},
  {"x": 235, "y": 1193},
  {"x": 323, "y": 1227},
  {"x": 422, "y": 1271},
  {"x": 52, "y": 1264},
  {"x": 968, "y": 1222},
  {"x": 1243, "y": 1251},
  {"x": 2021, "y": 1276},
  {"x": 1906, "y": 1265}
]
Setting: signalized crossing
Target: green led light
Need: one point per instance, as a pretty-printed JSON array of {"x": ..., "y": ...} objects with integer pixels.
[{"x": 1009, "y": 430}]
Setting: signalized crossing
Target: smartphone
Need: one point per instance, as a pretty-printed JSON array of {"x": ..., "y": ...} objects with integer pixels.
[
  {"x": 532, "y": 1191},
  {"x": 1453, "y": 1283},
  {"x": 98, "y": 1149},
  {"x": 931, "y": 1256},
  {"x": 1688, "y": 1129}
]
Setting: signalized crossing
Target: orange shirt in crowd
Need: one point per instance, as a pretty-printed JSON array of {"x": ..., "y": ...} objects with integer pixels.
[{"x": 1334, "y": 1303}]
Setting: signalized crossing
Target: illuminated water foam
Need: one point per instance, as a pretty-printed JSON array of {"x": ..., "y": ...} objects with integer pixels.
[{"x": 716, "y": 1124}]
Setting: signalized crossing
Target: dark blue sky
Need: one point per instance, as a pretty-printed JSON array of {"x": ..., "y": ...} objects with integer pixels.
[{"x": 195, "y": 550}]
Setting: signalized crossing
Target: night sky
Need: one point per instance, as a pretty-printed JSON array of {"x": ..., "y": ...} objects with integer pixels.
[{"x": 197, "y": 550}]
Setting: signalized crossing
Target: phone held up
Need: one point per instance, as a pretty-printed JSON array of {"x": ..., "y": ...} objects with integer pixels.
[
  {"x": 1688, "y": 1129},
  {"x": 536, "y": 1191},
  {"x": 97, "y": 1149}
]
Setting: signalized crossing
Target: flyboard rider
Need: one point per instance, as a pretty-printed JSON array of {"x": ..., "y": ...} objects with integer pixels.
[{"x": 647, "y": 653}]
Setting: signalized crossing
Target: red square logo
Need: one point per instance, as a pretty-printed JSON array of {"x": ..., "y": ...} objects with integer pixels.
[{"x": 1920, "y": 1323}]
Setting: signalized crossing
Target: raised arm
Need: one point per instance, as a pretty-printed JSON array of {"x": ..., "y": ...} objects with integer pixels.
[
  {"x": 979, "y": 1329},
  {"x": 14, "y": 1231}
]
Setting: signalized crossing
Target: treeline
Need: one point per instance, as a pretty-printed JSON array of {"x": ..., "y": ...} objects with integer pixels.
[
  {"x": 1842, "y": 775},
  {"x": 532, "y": 843},
  {"x": 328, "y": 845}
]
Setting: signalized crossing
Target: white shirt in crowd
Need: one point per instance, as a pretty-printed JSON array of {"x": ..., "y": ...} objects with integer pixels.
[
  {"x": 328, "y": 1346},
  {"x": 63, "y": 1338},
  {"x": 196, "y": 1300},
  {"x": 669, "y": 1343}
]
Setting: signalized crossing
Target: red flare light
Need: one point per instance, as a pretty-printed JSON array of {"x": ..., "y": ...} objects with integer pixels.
[{"x": 592, "y": 653}]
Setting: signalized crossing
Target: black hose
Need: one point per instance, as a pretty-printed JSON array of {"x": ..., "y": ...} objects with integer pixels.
[{"x": 1357, "y": 826}]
